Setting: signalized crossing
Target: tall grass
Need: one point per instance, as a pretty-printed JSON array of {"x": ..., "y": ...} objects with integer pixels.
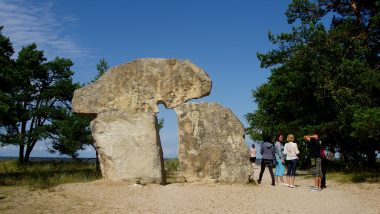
[
  {"x": 339, "y": 171},
  {"x": 173, "y": 171},
  {"x": 354, "y": 177},
  {"x": 49, "y": 174},
  {"x": 171, "y": 164},
  {"x": 45, "y": 174}
]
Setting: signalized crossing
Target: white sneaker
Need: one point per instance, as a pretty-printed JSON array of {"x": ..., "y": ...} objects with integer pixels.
[{"x": 291, "y": 186}]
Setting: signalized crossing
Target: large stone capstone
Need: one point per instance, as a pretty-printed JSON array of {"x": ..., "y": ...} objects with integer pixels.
[
  {"x": 139, "y": 85},
  {"x": 211, "y": 144},
  {"x": 129, "y": 146}
]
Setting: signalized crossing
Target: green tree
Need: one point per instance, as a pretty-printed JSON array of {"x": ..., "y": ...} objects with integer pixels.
[
  {"x": 36, "y": 92},
  {"x": 161, "y": 122},
  {"x": 323, "y": 78},
  {"x": 6, "y": 66},
  {"x": 101, "y": 67},
  {"x": 71, "y": 134}
]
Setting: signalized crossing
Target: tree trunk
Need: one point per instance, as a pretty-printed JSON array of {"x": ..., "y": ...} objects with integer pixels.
[
  {"x": 345, "y": 160},
  {"x": 97, "y": 162},
  {"x": 21, "y": 152},
  {"x": 22, "y": 142},
  {"x": 27, "y": 154},
  {"x": 29, "y": 150},
  {"x": 371, "y": 158},
  {"x": 356, "y": 10}
]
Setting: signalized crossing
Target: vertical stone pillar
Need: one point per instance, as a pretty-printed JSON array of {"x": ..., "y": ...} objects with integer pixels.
[
  {"x": 211, "y": 144},
  {"x": 129, "y": 146}
]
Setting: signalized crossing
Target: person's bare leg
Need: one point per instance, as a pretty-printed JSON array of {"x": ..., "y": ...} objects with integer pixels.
[
  {"x": 282, "y": 179},
  {"x": 319, "y": 179}
]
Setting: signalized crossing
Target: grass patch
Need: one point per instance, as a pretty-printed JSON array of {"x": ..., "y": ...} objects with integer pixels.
[
  {"x": 353, "y": 173},
  {"x": 355, "y": 177},
  {"x": 45, "y": 174},
  {"x": 172, "y": 165},
  {"x": 173, "y": 171}
]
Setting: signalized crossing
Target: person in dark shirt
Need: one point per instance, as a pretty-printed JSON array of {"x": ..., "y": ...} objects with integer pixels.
[
  {"x": 314, "y": 148},
  {"x": 267, "y": 152},
  {"x": 326, "y": 156}
]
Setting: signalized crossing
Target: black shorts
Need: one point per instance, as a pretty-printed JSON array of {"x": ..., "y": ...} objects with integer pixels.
[{"x": 252, "y": 159}]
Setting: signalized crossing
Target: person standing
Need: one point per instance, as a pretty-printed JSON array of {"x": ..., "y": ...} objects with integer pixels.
[
  {"x": 314, "y": 148},
  {"x": 280, "y": 159},
  {"x": 252, "y": 158},
  {"x": 291, "y": 151},
  {"x": 323, "y": 165},
  {"x": 267, "y": 152},
  {"x": 326, "y": 156}
]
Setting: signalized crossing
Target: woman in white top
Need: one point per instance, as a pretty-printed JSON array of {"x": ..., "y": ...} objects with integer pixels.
[{"x": 291, "y": 151}]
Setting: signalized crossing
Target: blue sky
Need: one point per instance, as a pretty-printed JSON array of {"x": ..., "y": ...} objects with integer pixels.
[{"x": 222, "y": 37}]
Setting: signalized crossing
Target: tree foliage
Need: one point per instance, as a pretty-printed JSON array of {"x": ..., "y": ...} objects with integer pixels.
[
  {"x": 6, "y": 65},
  {"x": 71, "y": 134},
  {"x": 101, "y": 67},
  {"x": 34, "y": 94},
  {"x": 324, "y": 77}
]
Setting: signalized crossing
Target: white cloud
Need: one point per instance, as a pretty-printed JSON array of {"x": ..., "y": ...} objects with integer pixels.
[{"x": 26, "y": 22}]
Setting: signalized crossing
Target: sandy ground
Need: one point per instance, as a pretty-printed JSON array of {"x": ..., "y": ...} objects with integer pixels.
[{"x": 118, "y": 197}]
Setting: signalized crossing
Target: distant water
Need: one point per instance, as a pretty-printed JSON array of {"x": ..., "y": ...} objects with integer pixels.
[
  {"x": 57, "y": 159},
  {"x": 67, "y": 159},
  {"x": 49, "y": 159}
]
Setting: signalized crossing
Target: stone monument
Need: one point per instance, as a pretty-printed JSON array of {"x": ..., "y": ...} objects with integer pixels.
[
  {"x": 125, "y": 129},
  {"x": 125, "y": 101}
]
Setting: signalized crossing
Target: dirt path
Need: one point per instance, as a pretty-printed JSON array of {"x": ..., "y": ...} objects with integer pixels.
[{"x": 119, "y": 197}]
